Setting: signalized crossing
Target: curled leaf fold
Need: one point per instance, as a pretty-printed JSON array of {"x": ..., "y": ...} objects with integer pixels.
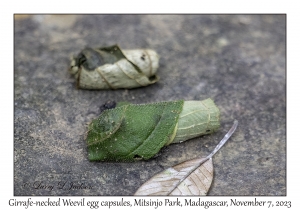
[
  {"x": 133, "y": 132},
  {"x": 113, "y": 68}
]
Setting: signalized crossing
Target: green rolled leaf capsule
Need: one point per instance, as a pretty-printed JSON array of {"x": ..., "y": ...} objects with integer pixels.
[
  {"x": 113, "y": 68},
  {"x": 133, "y": 132}
]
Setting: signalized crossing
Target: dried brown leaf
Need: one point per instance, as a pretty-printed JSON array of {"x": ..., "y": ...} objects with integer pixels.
[{"x": 168, "y": 182}]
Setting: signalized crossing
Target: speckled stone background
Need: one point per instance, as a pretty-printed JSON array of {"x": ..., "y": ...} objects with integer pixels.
[{"x": 237, "y": 60}]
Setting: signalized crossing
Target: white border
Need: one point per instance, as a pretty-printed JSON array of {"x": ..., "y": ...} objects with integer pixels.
[{"x": 6, "y": 85}]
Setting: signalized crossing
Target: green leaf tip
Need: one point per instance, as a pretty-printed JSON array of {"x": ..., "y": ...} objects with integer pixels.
[{"x": 138, "y": 131}]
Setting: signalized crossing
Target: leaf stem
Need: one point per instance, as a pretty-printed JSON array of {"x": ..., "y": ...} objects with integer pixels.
[{"x": 224, "y": 140}]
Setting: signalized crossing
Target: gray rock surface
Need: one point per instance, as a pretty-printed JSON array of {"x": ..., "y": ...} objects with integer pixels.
[{"x": 237, "y": 60}]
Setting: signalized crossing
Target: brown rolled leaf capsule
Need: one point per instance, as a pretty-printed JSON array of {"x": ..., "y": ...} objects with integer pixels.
[{"x": 113, "y": 68}]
